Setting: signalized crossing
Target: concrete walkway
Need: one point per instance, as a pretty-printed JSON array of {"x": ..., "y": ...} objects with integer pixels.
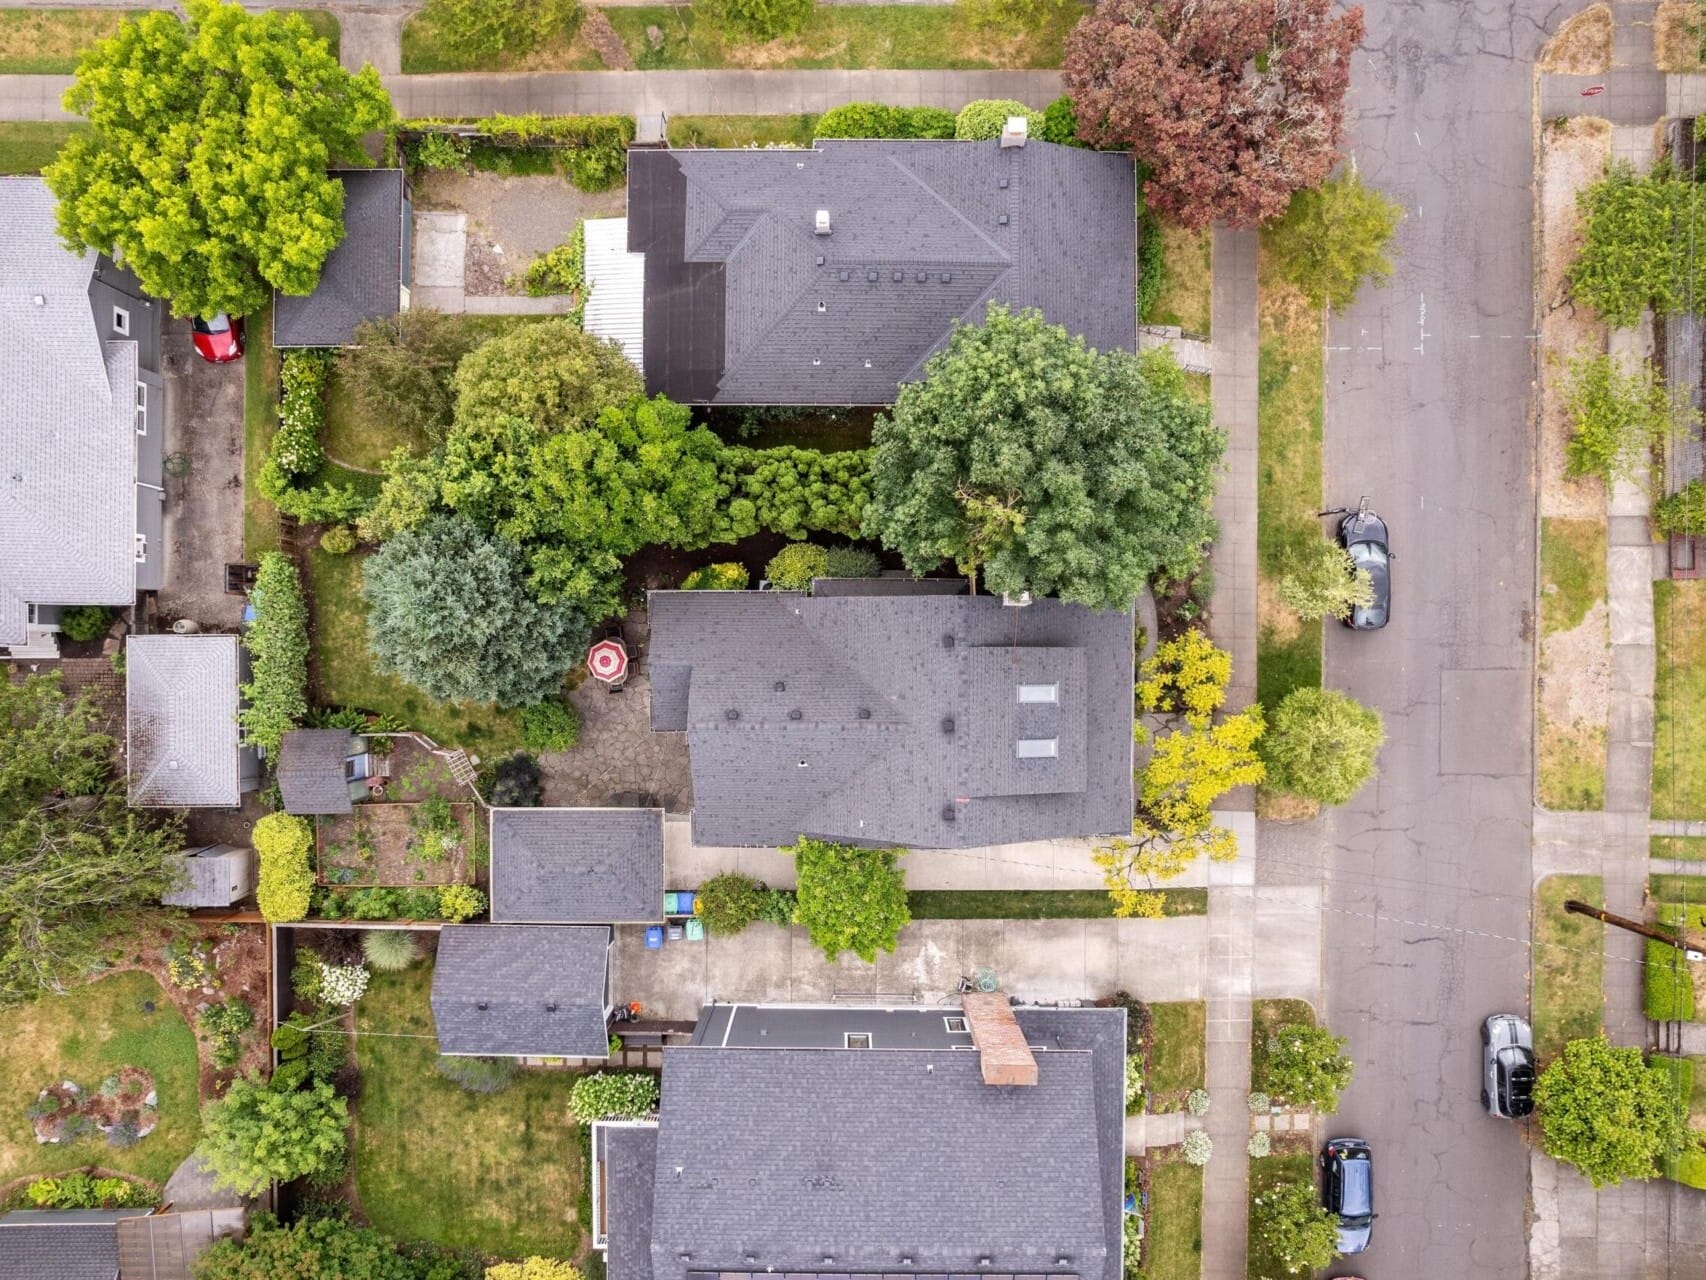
[
  {"x": 1232, "y": 619},
  {"x": 1231, "y": 982}
]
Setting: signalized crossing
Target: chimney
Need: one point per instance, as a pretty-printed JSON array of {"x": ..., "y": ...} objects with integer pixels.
[
  {"x": 822, "y": 226},
  {"x": 1002, "y": 1051},
  {"x": 1015, "y": 131}
]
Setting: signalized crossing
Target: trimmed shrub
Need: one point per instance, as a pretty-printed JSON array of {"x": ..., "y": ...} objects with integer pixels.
[
  {"x": 1259, "y": 1102},
  {"x": 1133, "y": 1084},
  {"x": 1260, "y": 1145},
  {"x": 296, "y": 447},
  {"x": 717, "y": 577},
  {"x": 729, "y": 902},
  {"x": 1060, "y": 123},
  {"x": 515, "y": 783},
  {"x": 874, "y": 120},
  {"x": 477, "y": 1075},
  {"x": 342, "y": 984},
  {"x": 794, "y": 566},
  {"x": 986, "y": 117},
  {"x": 339, "y": 540},
  {"x": 561, "y": 270},
  {"x": 606, "y": 1095},
  {"x": 792, "y": 492},
  {"x": 1670, "y": 984},
  {"x": 1682, "y": 512},
  {"x": 460, "y": 902},
  {"x": 390, "y": 950},
  {"x": 1196, "y": 1102},
  {"x": 276, "y": 699},
  {"x": 282, "y": 842},
  {"x": 851, "y": 562},
  {"x": 85, "y": 622},
  {"x": 1198, "y": 1148},
  {"x": 550, "y": 726},
  {"x": 534, "y": 1268}
]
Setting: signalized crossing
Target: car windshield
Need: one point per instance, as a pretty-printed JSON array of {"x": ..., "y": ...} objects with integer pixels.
[
  {"x": 220, "y": 323},
  {"x": 1519, "y": 1084}
]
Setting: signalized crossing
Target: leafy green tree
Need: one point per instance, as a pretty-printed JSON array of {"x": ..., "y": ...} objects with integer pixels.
[
  {"x": 276, "y": 699},
  {"x": 255, "y": 1136},
  {"x": 849, "y": 899},
  {"x": 204, "y": 166},
  {"x": 1622, "y": 418},
  {"x": 401, "y": 369},
  {"x": 75, "y": 861},
  {"x": 1683, "y": 511},
  {"x": 1321, "y": 744},
  {"x": 761, "y": 20},
  {"x": 548, "y": 373},
  {"x": 1306, "y": 1066},
  {"x": 482, "y": 29},
  {"x": 795, "y": 565},
  {"x": 450, "y": 612},
  {"x": 312, "y": 1248},
  {"x": 1293, "y": 1225},
  {"x": 1604, "y": 1110},
  {"x": 1324, "y": 582},
  {"x": 284, "y": 844},
  {"x": 1638, "y": 246},
  {"x": 1051, "y": 468},
  {"x": 729, "y": 902},
  {"x": 1333, "y": 237}
]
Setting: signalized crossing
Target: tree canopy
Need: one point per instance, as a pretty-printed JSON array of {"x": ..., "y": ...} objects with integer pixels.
[
  {"x": 1638, "y": 245},
  {"x": 1333, "y": 237},
  {"x": 317, "y": 1247},
  {"x": 1232, "y": 105},
  {"x": 204, "y": 166},
  {"x": 1604, "y": 1110},
  {"x": 1322, "y": 581},
  {"x": 850, "y": 899},
  {"x": 1322, "y": 745},
  {"x": 73, "y": 857},
  {"x": 1306, "y": 1066},
  {"x": 1046, "y": 465},
  {"x": 255, "y": 1136}
]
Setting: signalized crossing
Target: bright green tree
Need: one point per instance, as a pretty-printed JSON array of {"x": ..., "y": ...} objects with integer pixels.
[
  {"x": 1622, "y": 418},
  {"x": 276, "y": 699},
  {"x": 549, "y": 373},
  {"x": 1292, "y": 1225},
  {"x": 204, "y": 166},
  {"x": 315, "y": 1247},
  {"x": 1306, "y": 1066},
  {"x": 1638, "y": 246},
  {"x": 729, "y": 902},
  {"x": 1321, "y": 744},
  {"x": 255, "y": 1136},
  {"x": 1324, "y": 582},
  {"x": 850, "y": 899},
  {"x": 1605, "y": 1111},
  {"x": 1049, "y": 467},
  {"x": 1333, "y": 237}
]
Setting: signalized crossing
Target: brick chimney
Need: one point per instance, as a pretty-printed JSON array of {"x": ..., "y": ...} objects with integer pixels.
[{"x": 1001, "y": 1047}]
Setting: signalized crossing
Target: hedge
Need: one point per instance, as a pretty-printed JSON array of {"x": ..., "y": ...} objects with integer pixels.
[
  {"x": 874, "y": 120},
  {"x": 793, "y": 492},
  {"x": 613, "y": 1096},
  {"x": 596, "y": 147},
  {"x": 986, "y": 117},
  {"x": 282, "y": 843},
  {"x": 301, "y": 412},
  {"x": 717, "y": 577},
  {"x": 794, "y": 566},
  {"x": 1682, "y": 512},
  {"x": 277, "y": 641},
  {"x": 453, "y": 902},
  {"x": 1670, "y": 984}
]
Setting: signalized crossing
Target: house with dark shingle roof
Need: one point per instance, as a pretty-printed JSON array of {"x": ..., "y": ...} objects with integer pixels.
[
  {"x": 829, "y": 275},
  {"x": 522, "y": 991},
  {"x": 64, "y": 1244},
  {"x": 82, "y": 426},
  {"x": 577, "y": 866},
  {"x": 926, "y": 720},
  {"x": 324, "y": 770},
  {"x": 183, "y": 747},
  {"x": 846, "y": 1141},
  {"x": 367, "y": 276}
]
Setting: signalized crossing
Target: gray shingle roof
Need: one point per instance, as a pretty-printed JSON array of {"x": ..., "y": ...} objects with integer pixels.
[
  {"x": 362, "y": 278},
  {"x": 630, "y": 1161},
  {"x": 515, "y": 971},
  {"x": 311, "y": 770},
  {"x": 56, "y": 1245},
  {"x": 740, "y": 309},
  {"x": 897, "y": 728},
  {"x": 181, "y": 732},
  {"x": 67, "y": 424},
  {"x": 577, "y": 866}
]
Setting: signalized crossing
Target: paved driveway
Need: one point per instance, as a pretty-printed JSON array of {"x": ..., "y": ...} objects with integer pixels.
[{"x": 1427, "y": 413}]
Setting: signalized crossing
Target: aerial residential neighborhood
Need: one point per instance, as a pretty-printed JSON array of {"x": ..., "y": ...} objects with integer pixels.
[{"x": 956, "y": 640}]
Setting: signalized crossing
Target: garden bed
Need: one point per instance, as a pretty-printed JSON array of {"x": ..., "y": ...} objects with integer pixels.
[
  {"x": 398, "y": 845},
  {"x": 1266, "y": 1018},
  {"x": 1037, "y": 904},
  {"x": 1293, "y": 1160}
]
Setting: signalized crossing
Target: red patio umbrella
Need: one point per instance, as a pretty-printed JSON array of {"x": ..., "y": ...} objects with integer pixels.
[{"x": 608, "y": 661}]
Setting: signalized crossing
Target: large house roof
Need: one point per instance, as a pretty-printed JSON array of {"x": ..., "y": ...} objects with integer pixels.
[
  {"x": 577, "y": 866},
  {"x": 895, "y": 720},
  {"x": 181, "y": 736},
  {"x": 747, "y": 304},
  {"x": 362, "y": 278},
  {"x": 66, "y": 1244},
  {"x": 521, "y": 990},
  {"x": 67, "y": 424},
  {"x": 311, "y": 770}
]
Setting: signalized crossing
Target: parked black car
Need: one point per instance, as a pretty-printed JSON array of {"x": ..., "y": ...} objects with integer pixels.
[
  {"x": 1347, "y": 1189},
  {"x": 1364, "y": 535}
]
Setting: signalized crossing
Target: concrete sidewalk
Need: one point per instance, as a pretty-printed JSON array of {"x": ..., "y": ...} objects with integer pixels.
[{"x": 1233, "y": 361}]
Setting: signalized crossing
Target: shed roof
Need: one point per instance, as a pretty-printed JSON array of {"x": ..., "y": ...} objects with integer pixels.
[
  {"x": 747, "y": 304},
  {"x": 362, "y": 278},
  {"x": 577, "y": 866},
  {"x": 311, "y": 770},
  {"x": 616, "y": 287},
  {"x": 522, "y": 990},
  {"x": 207, "y": 876},
  {"x": 181, "y": 734},
  {"x": 165, "y": 1246}
]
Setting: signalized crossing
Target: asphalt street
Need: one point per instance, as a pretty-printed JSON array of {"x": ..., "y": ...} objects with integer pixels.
[{"x": 1428, "y": 871}]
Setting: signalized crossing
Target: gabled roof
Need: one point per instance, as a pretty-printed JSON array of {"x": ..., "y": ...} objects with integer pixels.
[
  {"x": 630, "y": 1161},
  {"x": 311, "y": 770},
  {"x": 181, "y": 734},
  {"x": 36, "y": 1244},
  {"x": 493, "y": 987},
  {"x": 882, "y": 719},
  {"x": 67, "y": 424},
  {"x": 362, "y": 278},
  {"x": 577, "y": 866},
  {"x": 747, "y": 304}
]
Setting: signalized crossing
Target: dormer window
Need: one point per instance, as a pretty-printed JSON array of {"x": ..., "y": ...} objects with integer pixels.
[{"x": 1038, "y": 748}]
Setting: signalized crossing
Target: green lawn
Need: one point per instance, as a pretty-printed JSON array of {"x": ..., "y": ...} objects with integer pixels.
[
  {"x": 1678, "y": 889},
  {"x": 1266, "y": 1018},
  {"x": 260, "y": 422},
  {"x": 84, "y": 1036},
  {"x": 347, "y": 677},
  {"x": 1687, "y": 848},
  {"x": 1036, "y": 904},
  {"x": 1569, "y": 964},
  {"x": 863, "y": 36},
  {"x": 1178, "y": 1052},
  {"x": 1173, "y": 1248},
  {"x": 1265, "y": 1174},
  {"x": 1679, "y": 700},
  {"x": 741, "y": 131},
  {"x": 1288, "y": 478},
  {"x": 49, "y": 41},
  {"x": 1186, "y": 291},
  {"x": 1572, "y": 571},
  {"x": 497, "y": 1173},
  {"x": 28, "y": 145}
]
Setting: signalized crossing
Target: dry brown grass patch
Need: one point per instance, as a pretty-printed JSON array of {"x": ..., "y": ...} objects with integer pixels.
[
  {"x": 1273, "y": 615},
  {"x": 1676, "y": 39},
  {"x": 1280, "y": 806},
  {"x": 1582, "y": 46}
]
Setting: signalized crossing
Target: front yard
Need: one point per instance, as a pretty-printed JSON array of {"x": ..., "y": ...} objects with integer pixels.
[
  {"x": 1173, "y": 1248},
  {"x": 500, "y": 1173},
  {"x": 1295, "y": 1164},
  {"x": 1575, "y": 663},
  {"x": 27, "y": 145},
  {"x": 1186, "y": 295},
  {"x": 1679, "y": 700},
  {"x": 1178, "y": 1048}
]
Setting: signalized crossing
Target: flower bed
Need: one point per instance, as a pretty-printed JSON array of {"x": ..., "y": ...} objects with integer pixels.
[{"x": 398, "y": 845}]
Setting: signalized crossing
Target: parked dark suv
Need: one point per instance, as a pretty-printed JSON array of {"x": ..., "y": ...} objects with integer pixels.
[{"x": 1347, "y": 1189}]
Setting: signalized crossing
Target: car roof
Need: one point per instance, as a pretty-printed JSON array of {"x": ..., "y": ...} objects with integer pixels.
[{"x": 1356, "y": 1193}]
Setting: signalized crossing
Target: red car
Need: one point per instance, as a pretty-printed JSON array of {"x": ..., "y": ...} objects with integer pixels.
[{"x": 218, "y": 339}]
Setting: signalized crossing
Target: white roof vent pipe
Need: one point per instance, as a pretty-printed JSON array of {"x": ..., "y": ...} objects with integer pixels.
[
  {"x": 821, "y": 226},
  {"x": 1015, "y": 131}
]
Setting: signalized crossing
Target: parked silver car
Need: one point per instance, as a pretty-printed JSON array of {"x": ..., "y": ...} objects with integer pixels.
[{"x": 1507, "y": 1066}]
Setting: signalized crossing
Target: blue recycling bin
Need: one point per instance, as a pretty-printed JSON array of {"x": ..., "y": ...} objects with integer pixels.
[{"x": 654, "y": 937}]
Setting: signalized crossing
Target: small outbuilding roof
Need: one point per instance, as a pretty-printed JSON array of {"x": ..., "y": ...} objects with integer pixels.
[
  {"x": 311, "y": 770},
  {"x": 577, "y": 866},
  {"x": 522, "y": 990},
  {"x": 616, "y": 288},
  {"x": 165, "y": 1246},
  {"x": 81, "y": 1244},
  {"x": 181, "y": 737},
  {"x": 362, "y": 278},
  {"x": 209, "y": 876}
]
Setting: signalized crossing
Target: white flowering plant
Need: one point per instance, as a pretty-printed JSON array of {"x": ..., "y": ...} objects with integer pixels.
[{"x": 342, "y": 984}]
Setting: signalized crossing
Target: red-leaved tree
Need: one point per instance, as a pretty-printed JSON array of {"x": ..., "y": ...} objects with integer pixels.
[{"x": 1232, "y": 104}]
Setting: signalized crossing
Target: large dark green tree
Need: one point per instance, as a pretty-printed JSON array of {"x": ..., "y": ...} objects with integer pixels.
[
  {"x": 204, "y": 166},
  {"x": 850, "y": 899},
  {"x": 312, "y": 1248},
  {"x": 74, "y": 860},
  {"x": 1047, "y": 466},
  {"x": 255, "y": 1136},
  {"x": 1604, "y": 1110}
]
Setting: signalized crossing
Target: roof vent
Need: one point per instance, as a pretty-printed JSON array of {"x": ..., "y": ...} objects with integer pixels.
[
  {"x": 822, "y": 306},
  {"x": 731, "y": 714},
  {"x": 550, "y": 1006},
  {"x": 781, "y": 686},
  {"x": 1002, "y": 183},
  {"x": 864, "y": 713},
  {"x": 947, "y": 724},
  {"x": 796, "y": 714},
  {"x": 821, "y": 225},
  {"x": 820, "y": 259},
  {"x": 845, "y": 276},
  {"x": 1015, "y": 131},
  {"x": 481, "y": 1004},
  {"x": 1003, "y": 220},
  {"x": 947, "y": 277},
  {"x": 871, "y": 275},
  {"x": 948, "y": 641},
  {"x": 950, "y": 814},
  {"x": 899, "y": 276},
  {"x": 923, "y": 277}
]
